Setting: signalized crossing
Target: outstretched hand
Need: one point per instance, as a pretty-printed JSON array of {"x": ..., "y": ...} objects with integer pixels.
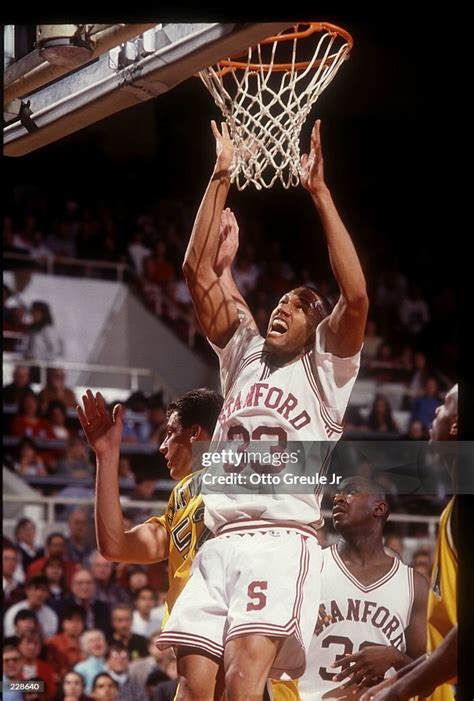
[
  {"x": 102, "y": 429},
  {"x": 366, "y": 666},
  {"x": 224, "y": 146},
  {"x": 228, "y": 241},
  {"x": 312, "y": 167}
]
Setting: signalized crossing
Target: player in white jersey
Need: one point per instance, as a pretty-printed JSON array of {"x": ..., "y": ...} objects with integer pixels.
[
  {"x": 293, "y": 385},
  {"x": 373, "y": 607}
]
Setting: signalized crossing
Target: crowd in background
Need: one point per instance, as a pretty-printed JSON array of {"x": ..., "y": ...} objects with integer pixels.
[{"x": 68, "y": 611}]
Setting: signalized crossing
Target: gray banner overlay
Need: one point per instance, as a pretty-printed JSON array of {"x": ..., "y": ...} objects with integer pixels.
[{"x": 402, "y": 467}]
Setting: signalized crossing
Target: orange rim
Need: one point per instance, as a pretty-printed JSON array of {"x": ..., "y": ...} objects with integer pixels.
[{"x": 230, "y": 65}]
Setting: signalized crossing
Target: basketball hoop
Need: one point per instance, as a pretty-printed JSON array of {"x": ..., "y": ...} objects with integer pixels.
[{"x": 265, "y": 103}]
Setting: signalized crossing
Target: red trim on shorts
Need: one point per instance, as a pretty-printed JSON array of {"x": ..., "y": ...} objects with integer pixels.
[
  {"x": 241, "y": 527},
  {"x": 269, "y": 629},
  {"x": 169, "y": 639}
]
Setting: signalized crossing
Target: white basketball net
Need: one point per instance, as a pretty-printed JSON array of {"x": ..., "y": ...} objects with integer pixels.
[{"x": 265, "y": 109}]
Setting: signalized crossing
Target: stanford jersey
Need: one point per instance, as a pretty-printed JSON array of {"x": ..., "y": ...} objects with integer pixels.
[
  {"x": 351, "y": 616},
  {"x": 302, "y": 401}
]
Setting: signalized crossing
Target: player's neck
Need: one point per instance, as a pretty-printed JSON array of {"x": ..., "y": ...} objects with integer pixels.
[
  {"x": 282, "y": 360},
  {"x": 362, "y": 549}
]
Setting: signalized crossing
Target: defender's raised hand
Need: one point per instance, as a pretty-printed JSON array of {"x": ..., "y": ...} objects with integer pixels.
[
  {"x": 224, "y": 146},
  {"x": 312, "y": 175},
  {"x": 102, "y": 429}
]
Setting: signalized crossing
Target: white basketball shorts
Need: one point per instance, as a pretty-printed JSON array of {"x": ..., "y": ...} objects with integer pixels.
[{"x": 252, "y": 578}]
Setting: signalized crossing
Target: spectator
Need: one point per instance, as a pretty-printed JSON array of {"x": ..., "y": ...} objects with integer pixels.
[
  {"x": 416, "y": 432},
  {"x": 424, "y": 407},
  {"x": 406, "y": 362},
  {"x": 55, "y": 546},
  {"x": 135, "y": 419},
  {"x": 64, "y": 649},
  {"x": 15, "y": 392},
  {"x": 122, "y": 617},
  {"x": 106, "y": 589},
  {"x": 12, "y": 671},
  {"x": 151, "y": 292},
  {"x": 104, "y": 688},
  {"x": 165, "y": 691},
  {"x": 414, "y": 313},
  {"x": 93, "y": 647},
  {"x": 145, "y": 487},
  {"x": 156, "y": 421},
  {"x": 56, "y": 390},
  {"x": 137, "y": 578},
  {"x": 163, "y": 270},
  {"x": 78, "y": 547},
  {"x": 83, "y": 593},
  {"x": 155, "y": 661},
  {"x": 126, "y": 474},
  {"x": 380, "y": 417},
  {"x": 57, "y": 417},
  {"x": 72, "y": 687},
  {"x": 25, "y": 536},
  {"x": 417, "y": 379},
  {"x": 117, "y": 664},
  {"x": 25, "y": 621},
  {"x": 28, "y": 422},
  {"x": 33, "y": 667},
  {"x": 131, "y": 577},
  {"x": 54, "y": 571},
  {"x": 13, "y": 590},
  {"x": 36, "y": 589},
  {"x": 38, "y": 249},
  {"x": 76, "y": 462},
  {"x": 43, "y": 341},
  {"x": 422, "y": 563},
  {"x": 383, "y": 365},
  {"x": 29, "y": 462},
  {"x": 137, "y": 252},
  {"x": 147, "y": 616},
  {"x": 151, "y": 682},
  {"x": 372, "y": 341}
]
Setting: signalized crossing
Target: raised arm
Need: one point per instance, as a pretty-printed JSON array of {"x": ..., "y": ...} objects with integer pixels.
[
  {"x": 144, "y": 544},
  {"x": 227, "y": 250},
  {"x": 214, "y": 305},
  {"x": 348, "y": 318}
]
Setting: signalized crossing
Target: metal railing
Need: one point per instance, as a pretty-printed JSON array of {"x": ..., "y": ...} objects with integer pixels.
[
  {"x": 51, "y": 502},
  {"x": 133, "y": 373},
  {"x": 50, "y": 264}
]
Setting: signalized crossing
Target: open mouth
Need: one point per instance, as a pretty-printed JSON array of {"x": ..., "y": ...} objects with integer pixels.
[
  {"x": 338, "y": 511},
  {"x": 278, "y": 328}
]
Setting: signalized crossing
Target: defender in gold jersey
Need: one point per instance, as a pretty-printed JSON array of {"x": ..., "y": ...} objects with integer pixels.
[
  {"x": 178, "y": 534},
  {"x": 432, "y": 676}
]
